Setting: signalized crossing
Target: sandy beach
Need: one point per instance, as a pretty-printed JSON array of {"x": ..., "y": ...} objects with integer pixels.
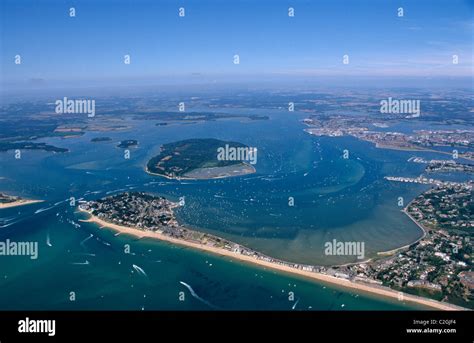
[
  {"x": 359, "y": 287},
  {"x": 21, "y": 202},
  {"x": 186, "y": 177}
]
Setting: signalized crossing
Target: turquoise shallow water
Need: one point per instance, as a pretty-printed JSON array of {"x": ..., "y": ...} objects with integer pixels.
[
  {"x": 334, "y": 199},
  {"x": 110, "y": 281}
]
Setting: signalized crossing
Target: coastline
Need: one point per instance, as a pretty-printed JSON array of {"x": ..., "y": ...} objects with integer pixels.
[
  {"x": 423, "y": 229},
  {"x": 393, "y": 147},
  {"x": 361, "y": 287},
  {"x": 389, "y": 147},
  {"x": 20, "y": 202},
  {"x": 203, "y": 178}
]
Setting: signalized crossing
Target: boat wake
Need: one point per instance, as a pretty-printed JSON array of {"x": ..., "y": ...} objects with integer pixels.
[
  {"x": 43, "y": 209},
  {"x": 9, "y": 224},
  {"x": 191, "y": 290},
  {"x": 116, "y": 191},
  {"x": 139, "y": 270},
  {"x": 48, "y": 240},
  {"x": 6, "y": 220},
  {"x": 81, "y": 263},
  {"x": 103, "y": 242},
  {"x": 86, "y": 239}
]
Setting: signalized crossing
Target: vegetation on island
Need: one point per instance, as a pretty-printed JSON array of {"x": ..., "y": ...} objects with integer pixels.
[
  {"x": 5, "y": 146},
  {"x": 178, "y": 158}
]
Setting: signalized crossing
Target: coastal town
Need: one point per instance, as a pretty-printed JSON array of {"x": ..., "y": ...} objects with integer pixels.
[
  {"x": 442, "y": 166},
  {"x": 138, "y": 210},
  {"x": 146, "y": 212},
  {"x": 420, "y": 140},
  {"x": 438, "y": 266}
]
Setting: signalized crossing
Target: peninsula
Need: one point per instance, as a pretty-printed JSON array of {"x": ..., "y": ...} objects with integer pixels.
[
  {"x": 145, "y": 215},
  {"x": 7, "y": 201}
]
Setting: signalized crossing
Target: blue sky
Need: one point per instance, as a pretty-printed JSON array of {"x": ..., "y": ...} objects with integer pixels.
[{"x": 91, "y": 46}]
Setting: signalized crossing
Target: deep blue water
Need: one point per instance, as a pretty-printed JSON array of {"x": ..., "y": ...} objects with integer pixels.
[{"x": 335, "y": 198}]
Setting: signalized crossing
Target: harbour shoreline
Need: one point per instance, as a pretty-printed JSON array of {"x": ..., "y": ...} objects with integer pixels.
[
  {"x": 406, "y": 246},
  {"x": 186, "y": 178},
  {"x": 348, "y": 284}
]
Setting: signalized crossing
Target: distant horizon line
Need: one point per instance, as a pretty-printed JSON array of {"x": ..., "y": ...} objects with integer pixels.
[{"x": 257, "y": 80}]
